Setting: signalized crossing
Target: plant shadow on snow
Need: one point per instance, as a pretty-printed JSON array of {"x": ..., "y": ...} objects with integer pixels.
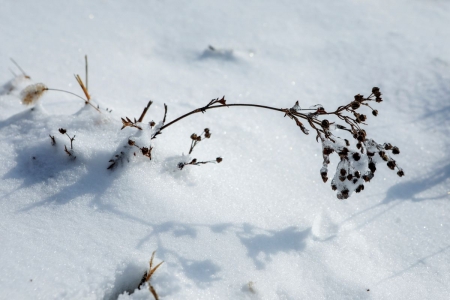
[{"x": 219, "y": 54}]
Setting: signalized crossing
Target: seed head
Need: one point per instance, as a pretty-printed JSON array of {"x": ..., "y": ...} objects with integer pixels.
[
  {"x": 194, "y": 136},
  {"x": 375, "y": 112},
  {"x": 32, "y": 93},
  {"x": 325, "y": 124},
  {"x": 395, "y": 150},
  {"x": 218, "y": 160},
  {"x": 355, "y": 105},
  {"x": 356, "y": 156},
  {"x": 401, "y": 173},
  {"x": 62, "y": 131}
]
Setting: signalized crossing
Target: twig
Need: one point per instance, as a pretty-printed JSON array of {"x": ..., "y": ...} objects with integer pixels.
[
  {"x": 86, "y": 67},
  {"x": 23, "y": 72}
]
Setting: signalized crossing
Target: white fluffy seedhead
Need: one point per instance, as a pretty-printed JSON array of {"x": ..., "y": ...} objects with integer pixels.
[{"x": 32, "y": 93}]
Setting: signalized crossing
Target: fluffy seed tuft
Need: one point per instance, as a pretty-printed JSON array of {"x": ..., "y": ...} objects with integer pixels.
[{"x": 32, "y": 93}]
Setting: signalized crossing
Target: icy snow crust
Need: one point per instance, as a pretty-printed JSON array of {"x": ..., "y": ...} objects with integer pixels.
[{"x": 259, "y": 225}]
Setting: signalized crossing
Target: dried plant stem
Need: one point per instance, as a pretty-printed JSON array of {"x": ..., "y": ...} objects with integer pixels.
[
  {"x": 57, "y": 90},
  {"x": 17, "y": 65},
  {"x": 85, "y": 91},
  {"x": 86, "y": 69},
  {"x": 203, "y": 109}
]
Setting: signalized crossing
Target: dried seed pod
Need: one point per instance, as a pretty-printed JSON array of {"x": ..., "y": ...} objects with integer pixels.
[
  {"x": 327, "y": 150},
  {"x": 342, "y": 178},
  {"x": 395, "y": 150},
  {"x": 359, "y": 97},
  {"x": 375, "y": 112},
  {"x": 362, "y": 118},
  {"x": 372, "y": 167},
  {"x": 375, "y": 89},
  {"x": 401, "y": 173},
  {"x": 345, "y": 193},
  {"x": 343, "y": 172},
  {"x": 357, "y": 174},
  {"x": 349, "y": 177},
  {"x": 194, "y": 136},
  {"x": 131, "y": 142},
  {"x": 391, "y": 164},
  {"x": 355, "y": 105},
  {"x": 199, "y": 138},
  {"x": 207, "y": 135},
  {"x": 325, "y": 124},
  {"x": 62, "y": 131},
  {"x": 356, "y": 156},
  {"x": 206, "y": 130},
  {"x": 387, "y": 146},
  {"x": 355, "y": 181},
  {"x": 152, "y": 123},
  {"x": 333, "y": 187},
  {"x": 219, "y": 159}
]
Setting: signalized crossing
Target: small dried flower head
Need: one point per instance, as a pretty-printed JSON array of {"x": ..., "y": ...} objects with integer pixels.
[
  {"x": 219, "y": 160},
  {"x": 372, "y": 167},
  {"x": 152, "y": 123},
  {"x": 355, "y": 105},
  {"x": 375, "y": 112},
  {"x": 356, "y": 156},
  {"x": 194, "y": 136},
  {"x": 325, "y": 124},
  {"x": 395, "y": 150},
  {"x": 199, "y": 138},
  {"x": 342, "y": 178},
  {"x": 357, "y": 174},
  {"x": 343, "y": 172},
  {"x": 333, "y": 187},
  {"x": 387, "y": 146},
  {"x": 375, "y": 89},
  {"x": 345, "y": 193},
  {"x": 362, "y": 118},
  {"x": 347, "y": 143},
  {"x": 359, "y": 97},
  {"x": 327, "y": 150},
  {"x": 401, "y": 173},
  {"x": 206, "y": 130},
  {"x": 32, "y": 93},
  {"x": 391, "y": 164},
  {"x": 349, "y": 177},
  {"x": 207, "y": 135},
  {"x": 131, "y": 142},
  {"x": 378, "y": 100},
  {"x": 62, "y": 131}
]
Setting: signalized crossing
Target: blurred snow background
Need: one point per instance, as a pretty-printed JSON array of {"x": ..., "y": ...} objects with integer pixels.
[{"x": 262, "y": 218}]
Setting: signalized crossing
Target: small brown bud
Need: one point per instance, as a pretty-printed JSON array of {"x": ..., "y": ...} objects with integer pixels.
[
  {"x": 219, "y": 160},
  {"x": 327, "y": 150},
  {"x": 347, "y": 143},
  {"x": 370, "y": 153},
  {"x": 342, "y": 178},
  {"x": 378, "y": 100},
  {"x": 193, "y": 161},
  {"x": 207, "y": 135},
  {"x": 345, "y": 193},
  {"x": 343, "y": 172},
  {"x": 375, "y": 89},
  {"x": 395, "y": 150},
  {"x": 62, "y": 131},
  {"x": 194, "y": 136},
  {"x": 325, "y": 124},
  {"x": 356, "y": 156},
  {"x": 362, "y": 117},
  {"x": 206, "y": 130},
  {"x": 333, "y": 187},
  {"x": 372, "y": 167},
  {"x": 359, "y": 97},
  {"x": 358, "y": 145},
  {"x": 391, "y": 164},
  {"x": 131, "y": 142},
  {"x": 355, "y": 105},
  {"x": 152, "y": 123},
  {"x": 355, "y": 181},
  {"x": 357, "y": 174},
  {"x": 375, "y": 112},
  {"x": 401, "y": 173},
  {"x": 349, "y": 177},
  {"x": 199, "y": 138},
  {"x": 387, "y": 146}
]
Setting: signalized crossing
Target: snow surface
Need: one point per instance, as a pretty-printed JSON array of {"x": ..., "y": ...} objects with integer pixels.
[{"x": 260, "y": 225}]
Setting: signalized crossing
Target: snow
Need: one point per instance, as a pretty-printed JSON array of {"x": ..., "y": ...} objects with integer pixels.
[{"x": 259, "y": 225}]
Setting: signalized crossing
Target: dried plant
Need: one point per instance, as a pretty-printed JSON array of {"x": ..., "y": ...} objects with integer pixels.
[
  {"x": 32, "y": 93},
  {"x": 356, "y": 165},
  {"x": 69, "y": 152},
  {"x": 148, "y": 276}
]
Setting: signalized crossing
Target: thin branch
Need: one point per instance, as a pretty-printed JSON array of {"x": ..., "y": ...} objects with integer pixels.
[
  {"x": 23, "y": 72},
  {"x": 86, "y": 67}
]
